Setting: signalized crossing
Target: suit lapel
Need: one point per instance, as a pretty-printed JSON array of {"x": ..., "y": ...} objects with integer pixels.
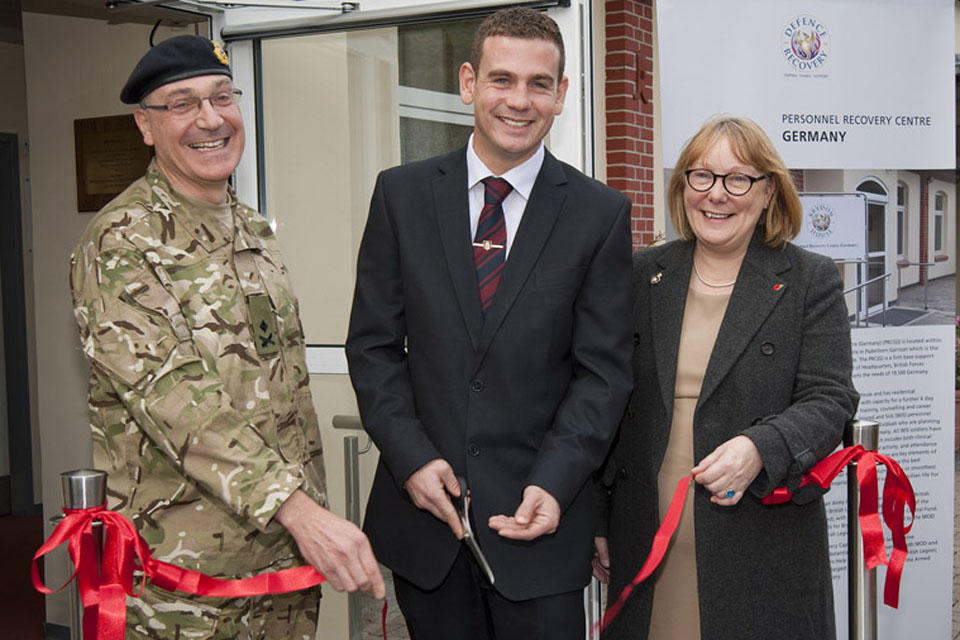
[
  {"x": 453, "y": 220},
  {"x": 759, "y": 288},
  {"x": 668, "y": 297},
  {"x": 539, "y": 217}
]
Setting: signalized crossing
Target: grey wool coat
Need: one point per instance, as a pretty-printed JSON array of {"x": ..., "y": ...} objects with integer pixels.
[{"x": 779, "y": 373}]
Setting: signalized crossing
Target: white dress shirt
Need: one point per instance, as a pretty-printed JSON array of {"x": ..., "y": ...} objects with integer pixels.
[{"x": 521, "y": 178}]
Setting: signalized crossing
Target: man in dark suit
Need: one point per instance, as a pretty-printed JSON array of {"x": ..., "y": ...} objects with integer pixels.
[{"x": 490, "y": 339}]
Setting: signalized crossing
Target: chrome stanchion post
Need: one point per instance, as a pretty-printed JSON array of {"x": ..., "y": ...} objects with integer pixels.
[
  {"x": 83, "y": 489},
  {"x": 593, "y": 609},
  {"x": 861, "y": 583}
]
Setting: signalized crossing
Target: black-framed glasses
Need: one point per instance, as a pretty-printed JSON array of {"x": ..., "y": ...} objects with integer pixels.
[
  {"x": 190, "y": 105},
  {"x": 736, "y": 184}
]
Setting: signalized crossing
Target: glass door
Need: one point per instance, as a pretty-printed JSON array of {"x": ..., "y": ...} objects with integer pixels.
[
  {"x": 877, "y": 200},
  {"x": 337, "y": 109}
]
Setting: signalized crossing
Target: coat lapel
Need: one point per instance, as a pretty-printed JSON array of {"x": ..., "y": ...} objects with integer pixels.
[
  {"x": 453, "y": 220},
  {"x": 759, "y": 288},
  {"x": 668, "y": 298},
  {"x": 539, "y": 217}
]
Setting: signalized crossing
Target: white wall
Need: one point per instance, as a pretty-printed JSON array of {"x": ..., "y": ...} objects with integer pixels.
[
  {"x": 948, "y": 266},
  {"x": 75, "y": 68}
]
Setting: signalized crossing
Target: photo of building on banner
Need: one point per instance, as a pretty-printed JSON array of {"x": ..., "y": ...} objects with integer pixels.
[{"x": 870, "y": 145}]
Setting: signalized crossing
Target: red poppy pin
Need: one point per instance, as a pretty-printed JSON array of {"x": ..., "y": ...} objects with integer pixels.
[{"x": 777, "y": 287}]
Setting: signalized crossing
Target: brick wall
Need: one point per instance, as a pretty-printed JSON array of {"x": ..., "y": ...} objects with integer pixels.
[{"x": 629, "y": 108}]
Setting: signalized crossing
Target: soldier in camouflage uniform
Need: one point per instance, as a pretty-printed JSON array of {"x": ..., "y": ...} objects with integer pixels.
[{"x": 200, "y": 404}]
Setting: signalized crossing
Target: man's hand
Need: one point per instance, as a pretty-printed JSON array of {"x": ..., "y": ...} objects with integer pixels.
[
  {"x": 334, "y": 546},
  {"x": 537, "y": 515},
  {"x": 601, "y": 560},
  {"x": 428, "y": 488}
]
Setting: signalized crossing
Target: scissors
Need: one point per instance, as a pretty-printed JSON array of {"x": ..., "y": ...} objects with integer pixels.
[{"x": 462, "y": 505}]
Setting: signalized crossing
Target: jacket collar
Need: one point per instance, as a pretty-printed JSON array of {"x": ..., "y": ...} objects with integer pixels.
[
  {"x": 761, "y": 284},
  {"x": 539, "y": 217}
]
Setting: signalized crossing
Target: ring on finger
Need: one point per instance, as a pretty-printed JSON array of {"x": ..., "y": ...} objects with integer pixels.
[{"x": 729, "y": 493}]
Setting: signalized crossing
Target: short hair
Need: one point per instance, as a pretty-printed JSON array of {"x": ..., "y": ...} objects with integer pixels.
[
  {"x": 517, "y": 22},
  {"x": 781, "y": 222}
]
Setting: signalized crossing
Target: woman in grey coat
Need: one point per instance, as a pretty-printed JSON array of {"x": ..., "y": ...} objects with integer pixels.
[{"x": 742, "y": 370}]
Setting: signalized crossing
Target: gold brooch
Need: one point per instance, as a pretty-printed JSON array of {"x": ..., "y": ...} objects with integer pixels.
[{"x": 656, "y": 279}]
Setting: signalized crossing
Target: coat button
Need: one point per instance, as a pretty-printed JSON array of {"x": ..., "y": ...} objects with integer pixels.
[
  {"x": 767, "y": 348},
  {"x": 473, "y": 449},
  {"x": 623, "y": 473},
  {"x": 629, "y": 411},
  {"x": 477, "y": 386},
  {"x": 636, "y": 339}
]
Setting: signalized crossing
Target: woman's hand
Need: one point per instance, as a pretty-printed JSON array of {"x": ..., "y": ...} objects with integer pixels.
[
  {"x": 731, "y": 467},
  {"x": 601, "y": 560}
]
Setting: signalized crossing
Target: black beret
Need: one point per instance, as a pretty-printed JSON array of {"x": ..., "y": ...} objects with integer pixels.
[{"x": 174, "y": 59}]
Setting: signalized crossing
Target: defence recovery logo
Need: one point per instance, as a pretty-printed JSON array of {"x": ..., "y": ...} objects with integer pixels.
[
  {"x": 820, "y": 221},
  {"x": 805, "y": 42}
]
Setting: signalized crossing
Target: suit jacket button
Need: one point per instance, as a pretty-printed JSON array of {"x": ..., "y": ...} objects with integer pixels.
[
  {"x": 473, "y": 449},
  {"x": 623, "y": 473},
  {"x": 629, "y": 411},
  {"x": 477, "y": 386},
  {"x": 767, "y": 348},
  {"x": 636, "y": 339}
]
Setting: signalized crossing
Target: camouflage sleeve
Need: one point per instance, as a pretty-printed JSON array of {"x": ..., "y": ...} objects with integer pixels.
[{"x": 134, "y": 335}]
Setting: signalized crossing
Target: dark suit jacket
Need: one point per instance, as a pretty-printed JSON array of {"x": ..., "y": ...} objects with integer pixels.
[
  {"x": 530, "y": 396},
  {"x": 780, "y": 374}
]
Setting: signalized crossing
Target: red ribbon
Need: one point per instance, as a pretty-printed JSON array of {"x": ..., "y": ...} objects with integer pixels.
[
  {"x": 661, "y": 540},
  {"x": 104, "y": 584},
  {"x": 897, "y": 495}
]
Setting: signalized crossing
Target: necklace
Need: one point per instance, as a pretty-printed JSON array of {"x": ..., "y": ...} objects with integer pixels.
[{"x": 715, "y": 285}]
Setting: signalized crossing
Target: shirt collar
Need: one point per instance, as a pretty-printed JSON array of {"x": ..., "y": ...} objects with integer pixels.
[{"x": 521, "y": 177}]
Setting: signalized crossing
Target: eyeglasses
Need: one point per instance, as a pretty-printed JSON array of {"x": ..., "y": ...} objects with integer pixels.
[
  {"x": 736, "y": 184},
  {"x": 189, "y": 105}
]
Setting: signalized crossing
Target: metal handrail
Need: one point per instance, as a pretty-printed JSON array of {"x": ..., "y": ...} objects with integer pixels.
[
  {"x": 347, "y": 422},
  {"x": 863, "y": 284},
  {"x": 858, "y": 288},
  {"x": 901, "y": 265}
]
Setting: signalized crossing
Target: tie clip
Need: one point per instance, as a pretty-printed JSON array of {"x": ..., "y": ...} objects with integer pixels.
[{"x": 486, "y": 245}]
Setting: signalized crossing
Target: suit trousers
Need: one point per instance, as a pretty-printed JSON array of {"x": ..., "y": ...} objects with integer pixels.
[{"x": 465, "y": 606}]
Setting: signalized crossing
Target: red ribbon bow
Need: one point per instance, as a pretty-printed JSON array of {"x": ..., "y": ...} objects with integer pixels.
[
  {"x": 105, "y": 585},
  {"x": 897, "y": 494}
]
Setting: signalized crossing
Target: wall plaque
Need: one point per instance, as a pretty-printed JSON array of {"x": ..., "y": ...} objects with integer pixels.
[{"x": 110, "y": 155}]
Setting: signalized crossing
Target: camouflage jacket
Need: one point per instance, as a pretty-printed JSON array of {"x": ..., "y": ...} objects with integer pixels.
[{"x": 200, "y": 403}]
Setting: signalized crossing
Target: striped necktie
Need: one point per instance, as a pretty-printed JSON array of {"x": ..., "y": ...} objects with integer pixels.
[{"x": 490, "y": 244}]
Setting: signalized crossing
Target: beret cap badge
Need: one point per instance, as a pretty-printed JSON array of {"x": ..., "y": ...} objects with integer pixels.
[{"x": 220, "y": 53}]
